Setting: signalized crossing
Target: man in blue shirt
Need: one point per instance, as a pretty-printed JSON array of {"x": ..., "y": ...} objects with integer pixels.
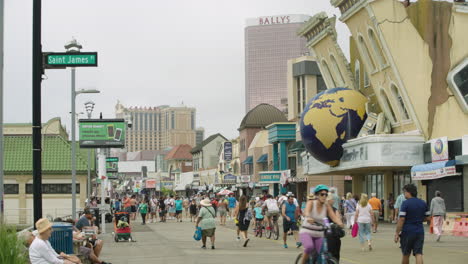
[
  {"x": 410, "y": 230},
  {"x": 289, "y": 220},
  {"x": 232, "y": 204}
]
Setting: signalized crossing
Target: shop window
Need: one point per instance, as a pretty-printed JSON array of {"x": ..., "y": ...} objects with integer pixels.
[
  {"x": 357, "y": 74},
  {"x": 377, "y": 49},
  {"x": 55, "y": 188},
  {"x": 458, "y": 82},
  {"x": 400, "y": 179},
  {"x": 387, "y": 107},
  {"x": 326, "y": 72},
  {"x": 374, "y": 184},
  {"x": 339, "y": 77},
  {"x": 401, "y": 104},
  {"x": 365, "y": 54},
  {"x": 11, "y": 188}
]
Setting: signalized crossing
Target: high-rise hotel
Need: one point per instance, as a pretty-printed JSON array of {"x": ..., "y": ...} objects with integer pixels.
[
  {"x": 269, "y": 43},
  {"x": 156, "y": 128}
]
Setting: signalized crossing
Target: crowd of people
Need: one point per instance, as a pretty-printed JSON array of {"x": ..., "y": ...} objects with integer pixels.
[{"x": 304, "y": 220}]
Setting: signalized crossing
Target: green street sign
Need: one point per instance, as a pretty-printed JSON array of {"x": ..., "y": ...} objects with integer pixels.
[
  {"x": 69, "y": 59},
  {"x": 112, "y": 164},
  {"x": 102, "y": 133}
]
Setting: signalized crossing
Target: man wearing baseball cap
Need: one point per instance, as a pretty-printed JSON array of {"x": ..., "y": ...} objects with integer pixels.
[{"x": 41, "y": 251}]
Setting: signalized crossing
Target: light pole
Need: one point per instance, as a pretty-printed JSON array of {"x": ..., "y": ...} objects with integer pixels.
[
  {"x": 1, "y": 109},
  {"x": 89, "y": 106}
]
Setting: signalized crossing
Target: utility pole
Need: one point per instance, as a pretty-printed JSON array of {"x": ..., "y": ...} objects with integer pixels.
[
  {"x": 2, "y": 15},
  {"x": 36, "y": 110}
]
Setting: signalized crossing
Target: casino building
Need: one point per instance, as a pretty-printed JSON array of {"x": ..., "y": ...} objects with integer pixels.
[
  {"x": 417, "y": 91},
  {"x": 269, "y": 42}
]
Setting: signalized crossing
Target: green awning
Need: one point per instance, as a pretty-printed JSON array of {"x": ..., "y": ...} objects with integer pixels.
[
  {"x": 248, "y": 160},
  {"x": 296, "y": 147},
  {"x": 263, "y": 159}
]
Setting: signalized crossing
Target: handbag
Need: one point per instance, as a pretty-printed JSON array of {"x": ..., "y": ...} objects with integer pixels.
[
  {"x": 355, "y": 230},
  {"x": 198, "y": 234}
]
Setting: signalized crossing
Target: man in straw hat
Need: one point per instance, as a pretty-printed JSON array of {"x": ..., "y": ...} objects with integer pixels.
[
  {"x": 206, "y": 219},
  {"x": 41, "y": 251}
]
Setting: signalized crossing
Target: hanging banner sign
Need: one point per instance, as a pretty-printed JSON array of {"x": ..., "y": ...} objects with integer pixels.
[
  {"x": 102, "y": 133},
  {"x": 227, "y": 151},
  {"x": 439, "y": 149}
]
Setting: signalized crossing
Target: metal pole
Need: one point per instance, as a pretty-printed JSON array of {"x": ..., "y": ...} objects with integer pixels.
[
  {"x": 89, "y": 175},
  {"x": 102, "y": 176},
  {"x": 73, "y": 148},
  {"x": 1, "y": 110},
  {"x": 36, "y": 110}
]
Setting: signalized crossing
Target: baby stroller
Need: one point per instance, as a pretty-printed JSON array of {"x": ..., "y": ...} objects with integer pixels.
[{"x": 122, "y": 230}]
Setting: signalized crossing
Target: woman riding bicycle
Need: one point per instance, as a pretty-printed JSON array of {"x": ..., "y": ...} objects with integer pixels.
[{"x": 311, "y": 233}]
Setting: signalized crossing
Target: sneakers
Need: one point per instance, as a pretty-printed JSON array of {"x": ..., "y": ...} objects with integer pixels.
[
  {"x": 285, "y": 245},
  {"x": 246, "y": 242},
  {"x": 212, "y": 247},
  {"x": 298, "y": 244},
  {"x": 203, "y": 247},
  {"x": 238, "y": 239}
]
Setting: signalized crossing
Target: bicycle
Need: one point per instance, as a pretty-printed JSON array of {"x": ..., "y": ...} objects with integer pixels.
[
  {"x": 316, "y": 258},
  {"x": 259, "y": 228},
  {"x": 273, "y": 228}
]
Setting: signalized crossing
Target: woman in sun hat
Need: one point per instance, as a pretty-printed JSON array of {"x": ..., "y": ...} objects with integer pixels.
[
  {"x": 41, "y": 250},
  {"x": 206, "y": 220}
]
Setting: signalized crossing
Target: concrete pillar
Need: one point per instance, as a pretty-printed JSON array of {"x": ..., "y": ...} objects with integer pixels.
[
  {"x": 358, "y": 180},
  {"x": 387, "y": 189},
  {"x": 283, "y": 156}
]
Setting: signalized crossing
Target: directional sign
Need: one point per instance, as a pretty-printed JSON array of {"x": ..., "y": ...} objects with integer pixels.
[{"x": 70, "y": 59}]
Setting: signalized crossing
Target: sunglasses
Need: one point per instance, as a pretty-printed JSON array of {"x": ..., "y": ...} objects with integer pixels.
[{"x": 323, "y": 194}]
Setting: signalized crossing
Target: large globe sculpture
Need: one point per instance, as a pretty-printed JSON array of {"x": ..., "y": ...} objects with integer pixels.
[{"x": 329, "y": 120}]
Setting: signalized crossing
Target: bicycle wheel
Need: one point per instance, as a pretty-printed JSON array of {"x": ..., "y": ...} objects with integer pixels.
[
  {"x": 260, "y": 233},
  {"x": 299, "y": 258},
  {"x": 268, "y": 232},
  {"x": 276, "y": 231},
  {"x": 332, "y": 260}
]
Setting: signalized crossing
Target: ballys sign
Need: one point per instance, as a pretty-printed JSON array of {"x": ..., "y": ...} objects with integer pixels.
[{"x": 274, "y": 20}]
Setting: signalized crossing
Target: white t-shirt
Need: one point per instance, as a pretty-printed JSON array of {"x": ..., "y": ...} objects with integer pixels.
[
  {"x": 41, "y": 252},
  {"x": 284, "y": 198},
  {"x": 272, "y": 205},
  {"x": 364, "y": 214}
]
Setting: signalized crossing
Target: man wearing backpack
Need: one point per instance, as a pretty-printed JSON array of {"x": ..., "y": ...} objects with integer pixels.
[{"x": 290, "y": 221}]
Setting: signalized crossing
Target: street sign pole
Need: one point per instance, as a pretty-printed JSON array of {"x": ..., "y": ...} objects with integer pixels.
[
  {"x": 36, "y": 110},
  {"x": 73, "y": 147}
]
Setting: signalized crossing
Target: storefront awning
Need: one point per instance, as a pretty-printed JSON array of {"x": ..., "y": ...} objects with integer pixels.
[
  {"x": 434, "y": 170},
  {"x": 263, "y": 159},
  {"x": 296, "y": 147},
  {"x": 248, "y": 160}
]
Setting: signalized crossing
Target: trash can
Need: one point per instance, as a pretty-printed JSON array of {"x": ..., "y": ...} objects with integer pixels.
[{"x": 62, "y": 237}]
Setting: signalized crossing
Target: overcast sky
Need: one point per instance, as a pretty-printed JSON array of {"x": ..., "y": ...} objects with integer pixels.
[{"x": 150, "y": 53}]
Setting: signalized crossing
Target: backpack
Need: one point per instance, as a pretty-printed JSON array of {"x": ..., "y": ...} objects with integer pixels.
[{"x": 248, "y": 215}]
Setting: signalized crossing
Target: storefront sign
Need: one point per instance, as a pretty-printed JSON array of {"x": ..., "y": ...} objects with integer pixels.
[
  {"x": 439, "y": 149},
  {"x": 245, "y": 178},
  {"x": 102, "y": 133},
  {"x": 150, "y": 183},
  {"x": 296, "y": 179},
  {"x": 229, "y": 178},
  {"x": 227, "y": 151},
  {"x": 270, "y": 176},
  {"x": 168, "y": 185},
  {"x": 434, "y": 174}
]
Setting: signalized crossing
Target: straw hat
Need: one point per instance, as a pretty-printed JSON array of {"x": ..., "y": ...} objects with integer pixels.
[
  {"x": 205, "y": 202},
  {"x": 42, "y": 225}
]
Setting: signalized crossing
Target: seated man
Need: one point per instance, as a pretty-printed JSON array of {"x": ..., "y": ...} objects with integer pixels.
[
  {"x": 41, "y": 250},
  {"x": 85, "y": 223},
  {"x": 86, "y": 250}
]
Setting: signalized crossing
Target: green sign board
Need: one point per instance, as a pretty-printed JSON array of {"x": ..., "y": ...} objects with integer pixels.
[
  {"x": 70, "y": 59},
  {"x": 270, "y": 177},
  {"x": 112, "y": 164},
  {"x": 102, "y": 133}
]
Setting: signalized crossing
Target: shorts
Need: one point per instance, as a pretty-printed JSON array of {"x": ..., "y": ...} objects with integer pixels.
[
  {"x": 153, "y": 209},
  {"x": 222, "y": 212},
  {"x": 289, "y": 225},
  {"x": 412, "y": 242},
  {"x": 171, "y": 210},
  {"x": 133, "y": 208},
  {"x": 376, "y": 215},
  {"x": 258, "y": 219},
  {"x": 162, "y": 213},
  {"x": 178, "y": 212},
  {"x": 208, "y": 232},
  {"x": 85, "y": 251},
  {"x": 272, "y": 213}
]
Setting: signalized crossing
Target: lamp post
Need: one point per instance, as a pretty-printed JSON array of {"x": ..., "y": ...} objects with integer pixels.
[{"x": 89, "y": 106}]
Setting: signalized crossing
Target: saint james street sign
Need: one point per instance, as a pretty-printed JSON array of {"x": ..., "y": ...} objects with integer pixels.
[{"x": 70, "y": 59}]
